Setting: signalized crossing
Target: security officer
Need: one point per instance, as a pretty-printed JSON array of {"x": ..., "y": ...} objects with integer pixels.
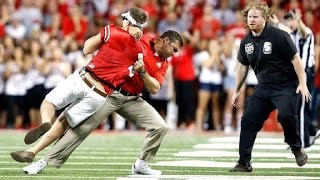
[{"x": 281, "y": 76}]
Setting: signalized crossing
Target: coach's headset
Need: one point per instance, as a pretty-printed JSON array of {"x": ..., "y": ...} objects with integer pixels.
[{"x": 132, "y": 22}]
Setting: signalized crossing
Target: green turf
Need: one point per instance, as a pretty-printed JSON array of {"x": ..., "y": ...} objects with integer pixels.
[{"x": 108, "y": 156}]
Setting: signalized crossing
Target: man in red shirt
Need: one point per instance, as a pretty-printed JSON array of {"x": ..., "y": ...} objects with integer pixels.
[
  {"x": 117, "y": 47},
  {"x": 86, "y": 92},
  {"x": 124, "y": 98}
]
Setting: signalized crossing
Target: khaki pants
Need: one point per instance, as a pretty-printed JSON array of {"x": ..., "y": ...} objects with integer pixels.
[{"x": 132, "y": 108}]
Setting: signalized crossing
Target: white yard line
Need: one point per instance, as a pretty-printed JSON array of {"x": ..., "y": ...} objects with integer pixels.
[
  {"x": 259, "y": 140},
  {"x": 221, "y": 153},
  {"x": 233, "y": 145},
  {"x": 55, "y": 177},
  {"x": 199, "y": 163},
  {"x": 216, "y": 177}
]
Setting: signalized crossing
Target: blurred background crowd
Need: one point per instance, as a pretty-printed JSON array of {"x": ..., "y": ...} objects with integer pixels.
[{"x": 41, "y": 44}]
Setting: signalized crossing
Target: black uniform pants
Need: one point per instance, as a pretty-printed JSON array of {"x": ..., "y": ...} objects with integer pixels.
[{"x": 257, "y": 110}]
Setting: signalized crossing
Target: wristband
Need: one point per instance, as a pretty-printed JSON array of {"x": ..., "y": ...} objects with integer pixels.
[{"x": 142, "y": 72}]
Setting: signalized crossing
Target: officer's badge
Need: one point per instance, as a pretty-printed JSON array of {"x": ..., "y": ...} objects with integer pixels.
[
  {"x": 248, "y": 48},
  {"x": 267, "y": 48}
]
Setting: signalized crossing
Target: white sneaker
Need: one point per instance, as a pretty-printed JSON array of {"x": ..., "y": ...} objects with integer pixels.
[
  {"x": 36, "y": 167},
  {"x": 144, "y": 170}
]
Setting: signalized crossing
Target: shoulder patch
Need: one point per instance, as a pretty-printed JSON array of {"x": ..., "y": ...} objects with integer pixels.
[
  {"x": 248, "y": 48},
  {"x": 267, "y": 48}
]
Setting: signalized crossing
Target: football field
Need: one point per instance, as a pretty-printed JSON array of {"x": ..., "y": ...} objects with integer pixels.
[{"x": 182, "y": 155}]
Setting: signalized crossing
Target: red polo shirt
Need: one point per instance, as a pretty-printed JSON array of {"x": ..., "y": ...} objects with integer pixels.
[
  {"x": 154, "y": 65},
  {"x": 117, "y": 52},
  {"x": 209, "y": 29},
  {"x": 182, "y": 64}
]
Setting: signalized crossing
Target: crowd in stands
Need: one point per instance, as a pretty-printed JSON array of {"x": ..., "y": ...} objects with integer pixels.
[{"x": 41, "y": 44}]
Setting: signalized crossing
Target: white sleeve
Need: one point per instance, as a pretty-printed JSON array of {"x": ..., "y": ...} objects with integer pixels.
[{"x": 107, "y": 33}]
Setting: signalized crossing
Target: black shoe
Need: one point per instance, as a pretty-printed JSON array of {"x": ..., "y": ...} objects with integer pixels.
[
  {"x": 242, "y": 167},
  {"x": 23, "y": 156},
  {"x": 301, "y": 157},
  {"x": 36, "y": 133}
]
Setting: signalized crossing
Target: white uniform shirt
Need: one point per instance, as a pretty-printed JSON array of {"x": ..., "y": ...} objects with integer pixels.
[
  {"x": 207, "y": 75},
  {"x": 305, "y": 47},
  {"x": 16, "y": 84}
]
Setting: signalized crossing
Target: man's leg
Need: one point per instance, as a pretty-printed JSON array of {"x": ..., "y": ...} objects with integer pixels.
[
  {"x": 142, "y": 114},
  {"x": 288, "y": 115},
  {"x": 57, "y": 130},
  {"x": 74, "y": 136},
  {"x": 256, "y": 112},
  {"x": 63, "y": 94}
]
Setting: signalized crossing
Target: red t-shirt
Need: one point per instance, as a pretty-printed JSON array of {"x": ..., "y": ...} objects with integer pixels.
[
  {"x": 182, "y": 64},
  {"x": 239, "y": 31},
  {"x": 68, "y": 27},
  {"x": 117, "y": 52},
  {"x": 208, "y": 29},
  {"x": 154, "y": 65}
]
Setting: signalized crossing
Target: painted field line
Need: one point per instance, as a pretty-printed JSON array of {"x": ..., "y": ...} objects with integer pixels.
[
  {"x": 83, "y": 148},
  {"x": 110, "y": 157},
  {"x": 256, "y": 146},
  {"x": 57, "y": 177},
  {"x": 259, "y": 140},
  {"x": 213, "y": 153},
  {"x": 100, "y": 169},
  {"x": 129, "y": 170},
  {"x": 218, "y": 177},
  {"x": 195, "y": 163},
  {"x": 75, "y": 169},
  {"x": 199, "y": 163},
  {"x": 79, "y": 163},
  {"x": 236, "y": 140}
]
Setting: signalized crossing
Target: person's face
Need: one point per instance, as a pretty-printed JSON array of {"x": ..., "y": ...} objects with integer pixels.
[
  {"x": 255, "y": 20},
  {"x": 165, "y": 48},
  {"x": 291, "y": 23}
]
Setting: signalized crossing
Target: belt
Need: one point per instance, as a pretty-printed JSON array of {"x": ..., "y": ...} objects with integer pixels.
[
  {"x": 125, "y": 93},
  {"x": 85, "y": 80},
  {"x": 119, "y": 89}
]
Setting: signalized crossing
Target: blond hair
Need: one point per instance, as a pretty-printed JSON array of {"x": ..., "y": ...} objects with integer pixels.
[{"x": 262, "y": 6}]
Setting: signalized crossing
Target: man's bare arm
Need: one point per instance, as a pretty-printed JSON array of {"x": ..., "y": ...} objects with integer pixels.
[
  {"x": 241, "y": 75},
  {"x": 150, "y": 83},
  {"x": 92, "y": 44}
]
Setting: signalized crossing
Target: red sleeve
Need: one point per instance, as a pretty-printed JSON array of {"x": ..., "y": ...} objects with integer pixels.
[
  {"x": 160, "y": 74},
  {"x": 105, "y": 33},
  {"x": 197, "y": 25}
]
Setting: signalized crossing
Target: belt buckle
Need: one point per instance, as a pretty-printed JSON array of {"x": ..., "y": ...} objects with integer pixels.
[
  {"x": 123, "y": 92},
  {"x": 82, "y": 72}
]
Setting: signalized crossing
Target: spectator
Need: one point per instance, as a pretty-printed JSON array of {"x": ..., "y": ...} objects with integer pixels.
[
  {"x": 207, "y": 27},
  {"x": 210, "y": 80},
  {"x": 15, "y": 28},
  {"x": 171, "y": 22},
  {"x": 183, "y": 75},
  {"x": 75, "y": 25},
  {"x": 30, "y": 15},
  {"x": 52, "y": 19}
]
